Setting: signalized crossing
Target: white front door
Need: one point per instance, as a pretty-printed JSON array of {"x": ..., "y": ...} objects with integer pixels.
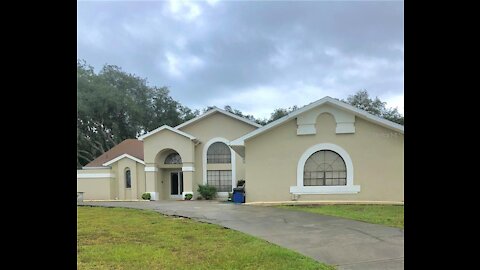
[{"x": 176, "y": 185}]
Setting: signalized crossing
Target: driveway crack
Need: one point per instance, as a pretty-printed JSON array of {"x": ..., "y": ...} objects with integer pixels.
[{"x": 362, "y": 232}]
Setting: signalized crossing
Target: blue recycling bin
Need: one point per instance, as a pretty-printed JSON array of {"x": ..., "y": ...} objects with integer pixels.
[{"x": 238, "y": 196}]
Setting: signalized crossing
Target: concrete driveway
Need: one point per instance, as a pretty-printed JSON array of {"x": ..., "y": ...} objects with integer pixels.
[{"x": 346, "y": 243}]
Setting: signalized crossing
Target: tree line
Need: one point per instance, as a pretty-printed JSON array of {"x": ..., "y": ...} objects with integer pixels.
[{"x": 114, "y": 105}]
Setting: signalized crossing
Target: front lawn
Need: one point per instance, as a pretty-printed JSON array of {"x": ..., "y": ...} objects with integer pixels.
[
  {"x": 390, "y": 215},
  {"x": 117, "y": 238}
]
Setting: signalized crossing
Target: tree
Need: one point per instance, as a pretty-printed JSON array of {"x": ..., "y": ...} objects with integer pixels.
[
  {"x": 114, "y": 105},
  {"x": 279, "y": 113},
  {"x": 375, "y": 106}
]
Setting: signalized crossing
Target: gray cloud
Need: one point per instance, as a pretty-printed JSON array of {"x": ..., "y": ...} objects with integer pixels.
[{"x": 254, "y": 56}]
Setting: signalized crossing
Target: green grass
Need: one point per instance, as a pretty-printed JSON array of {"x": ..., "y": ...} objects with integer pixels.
[
  {"x": 390, "y": 215},
  {"x": 117, "y": 238}
]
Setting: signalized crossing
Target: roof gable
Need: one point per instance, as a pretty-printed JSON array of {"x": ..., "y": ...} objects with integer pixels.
[
  {"x": 123, "y": 156},
  {"x": 165, "y": 127},
  {"x": 326, "y": 100},
  {"x": 215, "y": 110}
]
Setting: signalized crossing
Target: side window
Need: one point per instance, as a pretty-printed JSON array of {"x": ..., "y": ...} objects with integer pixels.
[{"x": 128, "y": 179}]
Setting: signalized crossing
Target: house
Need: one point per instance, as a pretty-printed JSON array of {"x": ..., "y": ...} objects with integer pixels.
[{"x": 327, "y": 150}]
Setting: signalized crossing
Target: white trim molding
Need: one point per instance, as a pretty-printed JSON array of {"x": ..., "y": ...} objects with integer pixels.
[
  {"x": 95, "y": 175},
  {"x": 344, "y": 127},
  {"x": 204, "y": 160},
  {"x": 215, "y": 109},
  {"x": 95, "y": 168},
  {"x": 165, "y": 127},
  {"x": 345, "y": 120},
  {"x": 347, "y": 189},
  {"x": 325, "y": 189},
  {"x": 188, "y": 169},
  {"x": 151, "y": 169},
  {"x": 123, "y": 156}
]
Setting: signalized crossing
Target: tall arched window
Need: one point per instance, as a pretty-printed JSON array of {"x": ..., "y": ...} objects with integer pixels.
[
  {"x": 325, "y": 168},
  {"x": 173, "y": 158},
  {"x": 218, "y": 152},
  {"x": 128, "y": 179}
]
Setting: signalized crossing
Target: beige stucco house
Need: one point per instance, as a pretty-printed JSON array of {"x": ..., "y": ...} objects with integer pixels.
[{"x": 327, "y": 150}]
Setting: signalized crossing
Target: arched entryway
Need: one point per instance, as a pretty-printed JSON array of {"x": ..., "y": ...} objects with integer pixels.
[{"x": 166, "y": 142}]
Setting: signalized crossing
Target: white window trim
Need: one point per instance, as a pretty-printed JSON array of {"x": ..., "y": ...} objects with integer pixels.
[
  {"x": 176, "y": 196},
  {"x": 204, "y": 159},
  {"x": 350, "y": 188}
]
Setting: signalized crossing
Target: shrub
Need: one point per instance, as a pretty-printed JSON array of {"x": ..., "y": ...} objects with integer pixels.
[
  {"x": 146, "y": 196},
  {"x": 240, "y": 183},
  {"x": 208, "y": 192},
  {"x": 199, "y": 197},
  {"x": 229, "y": 196},
  {"x": 188, "y": 196}
]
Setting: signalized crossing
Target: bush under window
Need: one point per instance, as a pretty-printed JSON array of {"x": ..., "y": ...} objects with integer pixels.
[{"x": 207, "y": 191}]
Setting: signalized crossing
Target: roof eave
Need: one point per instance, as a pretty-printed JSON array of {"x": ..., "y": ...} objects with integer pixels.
[
  {"x": 122, "y": 157},
  {"x": 165, "y": 127}
]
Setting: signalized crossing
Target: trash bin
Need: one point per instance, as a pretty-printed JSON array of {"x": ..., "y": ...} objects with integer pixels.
[{"x": 238, "y": 195}]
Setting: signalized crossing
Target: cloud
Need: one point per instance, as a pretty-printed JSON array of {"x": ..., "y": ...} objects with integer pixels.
[
  {"x": 212, "y": 2},
  {"x": 261, "y": 101},
  {"x": 395, "y": 101},
  {"x": 178, "y": 65},
  {"x": 254, "y": 56},
  {"x": 184, "y": 10}
]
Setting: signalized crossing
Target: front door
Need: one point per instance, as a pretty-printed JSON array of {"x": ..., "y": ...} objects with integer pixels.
[{"x": 176, "y": 185}]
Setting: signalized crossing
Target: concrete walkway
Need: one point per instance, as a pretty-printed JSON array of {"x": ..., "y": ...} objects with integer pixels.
[{"x": 346, "y": 243}]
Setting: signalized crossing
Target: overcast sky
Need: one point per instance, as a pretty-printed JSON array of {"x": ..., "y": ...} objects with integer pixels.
[{"x": 253, "y": 56}]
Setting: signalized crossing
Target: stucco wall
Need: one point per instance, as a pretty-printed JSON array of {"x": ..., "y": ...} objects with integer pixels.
[
  {"x": 213, "y": 126},
  {"x": 95, "y": 188},
  {"x": 113, "y": 188},
  {"x": 114, "y": 184},
  {"x": 376, "y": 153},
  {"x": 140, "y": 180}
]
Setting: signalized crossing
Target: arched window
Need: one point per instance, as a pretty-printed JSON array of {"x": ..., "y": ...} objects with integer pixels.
[
  {"x": 325, "y": 168},
  {"x": 218, "y": 152},
  {"x": 173, "y": 158},
  {"x": 128, "y": 179}
]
